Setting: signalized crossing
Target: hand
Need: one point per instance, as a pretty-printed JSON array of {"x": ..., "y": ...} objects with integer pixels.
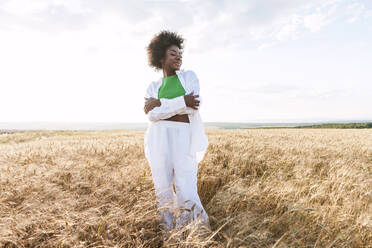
[
  {"x": 191, "y": 101},
  {"x": 151, "y": 103}
]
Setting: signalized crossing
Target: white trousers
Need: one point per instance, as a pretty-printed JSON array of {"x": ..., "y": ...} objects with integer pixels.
[{"x": 167, "y": 146}]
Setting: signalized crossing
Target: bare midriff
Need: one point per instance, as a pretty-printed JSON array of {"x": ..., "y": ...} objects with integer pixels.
[{"x": 181, "y": 118}]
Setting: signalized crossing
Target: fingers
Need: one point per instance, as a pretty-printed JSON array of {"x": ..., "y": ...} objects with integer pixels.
[
  {"x": 192, "y": 93},
  {"x": 193, "y": 103},
  {"x": 195, "y": 96},
  {"x": 147, "y": 98}
]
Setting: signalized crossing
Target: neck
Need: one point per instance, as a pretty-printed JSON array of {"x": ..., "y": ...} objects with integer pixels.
[{"x": 167, "y": 73}]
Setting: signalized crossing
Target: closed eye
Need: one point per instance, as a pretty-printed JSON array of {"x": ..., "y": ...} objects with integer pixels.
[{"x": 174, "y": 54}]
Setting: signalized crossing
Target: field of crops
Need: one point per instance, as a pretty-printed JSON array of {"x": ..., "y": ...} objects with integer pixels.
[{"x": 260, "y": 187}]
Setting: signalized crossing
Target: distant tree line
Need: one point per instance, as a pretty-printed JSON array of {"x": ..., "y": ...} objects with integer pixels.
[{"x": 339, "y": 125}]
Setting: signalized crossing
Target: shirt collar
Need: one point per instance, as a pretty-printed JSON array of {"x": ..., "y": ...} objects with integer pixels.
[{"x": 178, "y": 73}]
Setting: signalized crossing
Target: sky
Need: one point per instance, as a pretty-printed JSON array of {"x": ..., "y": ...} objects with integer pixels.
[{"x": 272, "y": 60}]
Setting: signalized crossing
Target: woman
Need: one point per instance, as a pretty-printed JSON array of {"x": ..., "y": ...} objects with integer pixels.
[{"x": 175, "y": 140}]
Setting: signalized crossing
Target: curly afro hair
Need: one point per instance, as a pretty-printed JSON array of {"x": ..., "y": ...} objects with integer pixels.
[{"x": 159, "y": 44}]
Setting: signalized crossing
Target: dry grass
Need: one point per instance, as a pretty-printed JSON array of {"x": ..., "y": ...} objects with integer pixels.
[{"x": 261, "y": 188}]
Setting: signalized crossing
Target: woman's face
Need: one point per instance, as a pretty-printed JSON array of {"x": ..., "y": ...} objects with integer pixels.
[{"x": 173, "y": 58}]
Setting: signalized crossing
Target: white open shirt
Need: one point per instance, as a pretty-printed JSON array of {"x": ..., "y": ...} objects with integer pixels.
[{"x": 169, "y": 107}]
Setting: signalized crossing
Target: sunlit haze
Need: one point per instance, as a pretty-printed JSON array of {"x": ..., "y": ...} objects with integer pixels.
[{"x": 256, "y": 60}]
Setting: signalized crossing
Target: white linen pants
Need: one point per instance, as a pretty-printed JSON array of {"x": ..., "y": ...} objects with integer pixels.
[{"x": 167, "y": 145}]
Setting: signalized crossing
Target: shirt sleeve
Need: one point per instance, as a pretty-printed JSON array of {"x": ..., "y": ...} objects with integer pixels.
[
  {"x": 174, "y": 106},
  {"x": 195, "y": 87},
  {"x": 168, "y": 107}
]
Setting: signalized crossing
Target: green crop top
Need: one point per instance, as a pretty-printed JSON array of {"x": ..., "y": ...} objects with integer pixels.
[{"x": 171, "y": 87}]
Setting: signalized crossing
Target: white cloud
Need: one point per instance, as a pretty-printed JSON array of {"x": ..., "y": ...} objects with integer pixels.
[
  {"x": 315, "y": 22},
  {"x": 215, "y": 24},
  {"x": 355, "y": 10},
  {"x": 266, "y": 45},
  {"x": 86, "y": 58},
  {"x": 290, "y": 30}
]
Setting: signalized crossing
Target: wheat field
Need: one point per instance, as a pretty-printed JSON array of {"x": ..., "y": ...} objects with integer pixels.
[{"x": 260, "y": 187}]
